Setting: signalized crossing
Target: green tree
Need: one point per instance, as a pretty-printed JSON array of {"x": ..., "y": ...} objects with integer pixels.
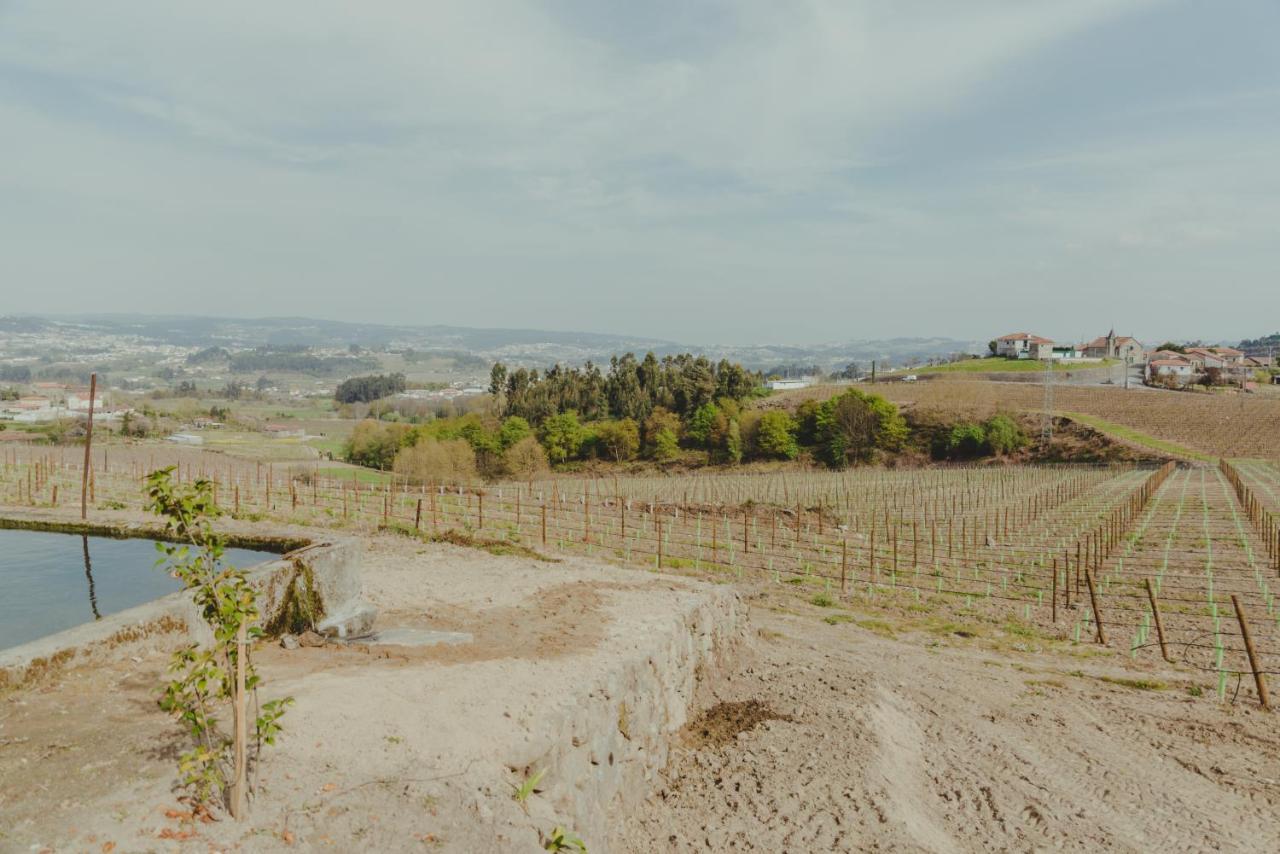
[
  {"x": 852, "y": 426},
  {"x": 620, "y": 439},
  {"x": 733, "y": 442},
  {"x": 776, "y": 435},
  {"x": 1003, "y": 435},
  {"x": 562, "y": 436},
  {"x": 512, "y": 431},
  {"x": 966, "y": 440},
  {"x": 702, "y": 424}
]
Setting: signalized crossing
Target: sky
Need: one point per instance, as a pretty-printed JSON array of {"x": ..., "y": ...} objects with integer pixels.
[{"x": 714, "y": 171}]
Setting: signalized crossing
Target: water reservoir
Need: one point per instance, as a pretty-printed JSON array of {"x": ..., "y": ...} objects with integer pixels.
[{"x": 51, "y": 582}]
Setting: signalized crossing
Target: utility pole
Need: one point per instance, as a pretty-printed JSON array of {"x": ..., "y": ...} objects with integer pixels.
[
  {"x": 88, "y": 442},
  {"x": 1046, "y": 426}
]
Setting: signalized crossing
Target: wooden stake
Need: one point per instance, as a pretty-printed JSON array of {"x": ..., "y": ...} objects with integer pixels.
[
  {"x": 1259, "y": 679},
  {"x": 1155, "y": 611},
  {"x": 88, "y": 443},
  {"x": 242, "y": 728},
  {"x": 1093, "y": 602},
  {"x": 1054, "y": 598}
]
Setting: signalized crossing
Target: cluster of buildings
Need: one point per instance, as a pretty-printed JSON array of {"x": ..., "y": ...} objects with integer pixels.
[
  {"x": 1214, "y": 365},
  {"x": 46, "y": 402}
]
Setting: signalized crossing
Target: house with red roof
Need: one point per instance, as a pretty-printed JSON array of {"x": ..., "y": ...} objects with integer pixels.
[{"x": 1024, "y": 345}]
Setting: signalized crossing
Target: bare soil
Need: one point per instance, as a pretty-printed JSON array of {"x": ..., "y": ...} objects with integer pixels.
[{"x": 949, "y": 740}]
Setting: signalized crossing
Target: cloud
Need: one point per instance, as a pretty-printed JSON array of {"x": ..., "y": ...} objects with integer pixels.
[{"x": 442, "y": 151}]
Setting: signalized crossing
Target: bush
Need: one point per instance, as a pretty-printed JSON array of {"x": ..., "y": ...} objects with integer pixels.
[
  {"x": 513, "y": 430},
  {"x": 703, "y": 424},
  {"x": 375, "y": 444},
  {"x": 619, "y": 440},
  {"x": 437, "y": 461},
  {"x": 776, "y": 435},
  {"x": 526, "y": 460},
  {"x": 562, "y": 437},
  {"x": 966, "y": 440},
  {"x": 853, "y": 426},
  {"x": 1003, "y": 435}
]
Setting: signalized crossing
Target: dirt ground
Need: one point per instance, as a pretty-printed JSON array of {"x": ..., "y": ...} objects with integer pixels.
[
  {"x": 848, "y": 737},
  {"x": 840, "y": 729}
]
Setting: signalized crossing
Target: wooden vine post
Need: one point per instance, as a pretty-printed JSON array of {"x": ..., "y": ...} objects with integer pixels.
[
  {"x": 1259, "y": 678},
  {"x": 1155, "y": 613},
  {"x": 1093, "y": 603},
  {"x": 242, "y": 728},
  {"x": 88, "y": 444}
]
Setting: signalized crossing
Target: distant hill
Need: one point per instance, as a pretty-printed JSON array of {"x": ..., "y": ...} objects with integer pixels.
[{"x": 531, "y": 347}]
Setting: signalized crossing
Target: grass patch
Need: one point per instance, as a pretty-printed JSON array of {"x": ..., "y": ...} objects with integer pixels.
[
  {"x": 879, "y": 627},
  {"x": 1137, "y": 437},
  {"x": 837, "y": 619},
  {"x": 356, "y": 473},
  {"x": 822, "y": 600},
  {"x": 1001, "y": 365},
  {"x": 1136, "y": 684}
]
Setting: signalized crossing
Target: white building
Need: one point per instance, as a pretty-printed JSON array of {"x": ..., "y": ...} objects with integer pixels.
[
  {"x": 786, "y": 385},
  {"x": 1024, "y": 345}
]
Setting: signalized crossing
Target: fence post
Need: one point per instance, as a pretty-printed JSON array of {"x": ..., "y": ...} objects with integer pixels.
[
  {"x": 241, "y": 725},
  {"x": 1259, "y": 679},
  {"x": 1093, "y": 603},
  {"x": 1155, "y": 611}
]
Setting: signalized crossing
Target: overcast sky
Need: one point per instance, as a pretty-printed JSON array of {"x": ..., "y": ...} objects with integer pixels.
[{"x": 738, "y": 171}]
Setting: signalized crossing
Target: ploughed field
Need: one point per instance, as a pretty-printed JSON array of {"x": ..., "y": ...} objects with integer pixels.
[{"x": 1023, "y": 544}]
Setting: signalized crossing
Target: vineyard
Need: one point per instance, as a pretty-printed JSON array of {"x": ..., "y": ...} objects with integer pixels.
[
  {"x": 1213, "y": 424},
  {"x": 1158, "y": 562}
]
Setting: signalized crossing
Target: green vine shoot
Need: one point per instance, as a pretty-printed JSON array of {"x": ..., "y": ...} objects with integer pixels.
[{"x": 203, "y": 679}]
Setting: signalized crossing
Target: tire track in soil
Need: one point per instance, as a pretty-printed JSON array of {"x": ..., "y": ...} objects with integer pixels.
[{"x": 894, "y": 746}]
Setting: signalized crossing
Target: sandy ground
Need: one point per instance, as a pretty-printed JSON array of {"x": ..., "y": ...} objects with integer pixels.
[
  {"x": 932, "y": 741},
  {"x": 869, "y": 728}
]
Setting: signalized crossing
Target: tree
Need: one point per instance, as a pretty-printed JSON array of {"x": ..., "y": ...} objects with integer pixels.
[
  {"x": 852, "y": 426},
  {"x": 993, "y": 347},
  {"x": 429, "y": 460},
  {"x": 966, "y": 440},
  {"x": 776, "y": 435},
  {"x": 702, "y": 424},
  {"x": 619, "y": 439},
  {"x": 526, "y": 459},
  {"x": 513, "y": 430},
  {"x": 370, "y": 388},
  {"x": 562, "y": 436},
  {"x": 666, "y": 445},
  {"x": 1003, "y": 435},
  {"x": 375, "y": 445},
  {"x": 1172, "y": 347},
  {"x": 733, "y": 442},
  {"x": 497, "y": 379}
]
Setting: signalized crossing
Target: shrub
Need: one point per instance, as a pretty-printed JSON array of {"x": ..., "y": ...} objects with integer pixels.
[
  {"x": 526, "y": 459},
  {"x": 966, "y": 440},
  {"x": 776, "y": 435},
  {"x": 1004, "y": 436},
  {"x": 562, "y": 437},
  {"x": 437, "y": 461},
  {"x": 375, "y": 444},
  {"x": 852, "y": 426},
  {"x": 619, "y": 440}
]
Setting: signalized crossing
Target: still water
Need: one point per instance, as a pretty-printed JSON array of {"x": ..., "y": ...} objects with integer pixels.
[{"x": 52, "y": 582}]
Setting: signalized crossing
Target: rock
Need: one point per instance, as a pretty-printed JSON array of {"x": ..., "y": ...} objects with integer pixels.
[
  {"x": 355, "y": 620},
  {"x": 288, "y": 642},
  {"x": 310, "y": 638}
]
